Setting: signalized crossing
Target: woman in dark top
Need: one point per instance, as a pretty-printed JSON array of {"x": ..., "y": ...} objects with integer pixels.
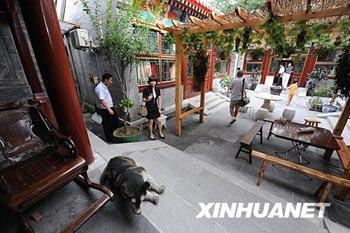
[{"x": 151, "y": 95}]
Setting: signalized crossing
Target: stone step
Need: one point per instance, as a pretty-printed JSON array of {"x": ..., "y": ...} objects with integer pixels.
[
  {"x": 234, "y": 177},
  {"x": 211, "y": 106},
  {"x": 328, "y": 114},
  {"x": 209, "y": 96},
  {"x": 192, "y": 181},
  {"x": 173, "y": 213}
]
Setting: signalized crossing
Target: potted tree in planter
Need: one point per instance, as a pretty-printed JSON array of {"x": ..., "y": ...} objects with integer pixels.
[
  {"x": 342, "y": 77},
  {"x": 120, "y": 41},
  {"x": 200, "y": 67},
  {"x": 195, "y": 45}
]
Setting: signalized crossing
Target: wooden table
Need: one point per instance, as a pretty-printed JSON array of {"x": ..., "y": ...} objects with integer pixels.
[
  {"x": 320, "y": 138},
  {"x": 267, "y": 97}
]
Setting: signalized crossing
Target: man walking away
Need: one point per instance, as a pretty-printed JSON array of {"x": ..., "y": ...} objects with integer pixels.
[
  {"x": 105, "y": 107},
  {"x": 236, "y": 95}
]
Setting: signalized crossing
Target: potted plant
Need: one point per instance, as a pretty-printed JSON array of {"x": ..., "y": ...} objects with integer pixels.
[
  {"x": 120, "y": 41},
  {"x": 225, "y": 83},
  {"x": 316, "y": 104},
  {"x": 314, "y": 79}
]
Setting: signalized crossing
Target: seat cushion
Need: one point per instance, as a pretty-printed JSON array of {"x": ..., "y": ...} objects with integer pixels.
[
  {"x": 25, "y": 183},
  {"x": 17, "y": 139}
]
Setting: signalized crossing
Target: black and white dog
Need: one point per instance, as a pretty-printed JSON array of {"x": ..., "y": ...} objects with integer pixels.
[{"x": 131, "y": 182}]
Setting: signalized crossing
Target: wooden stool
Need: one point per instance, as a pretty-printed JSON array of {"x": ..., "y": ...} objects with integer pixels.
[{"x": 312, "y": 122}]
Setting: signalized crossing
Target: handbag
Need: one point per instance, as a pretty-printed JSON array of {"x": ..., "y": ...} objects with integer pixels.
[
  {"x": 244, "y": 99},
  {"x": 143, "y": 111}
]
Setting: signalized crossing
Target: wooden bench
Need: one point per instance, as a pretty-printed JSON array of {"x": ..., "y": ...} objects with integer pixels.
[
  {"x": 327, "y": 179},
  {"x": 247, "y": 140}
]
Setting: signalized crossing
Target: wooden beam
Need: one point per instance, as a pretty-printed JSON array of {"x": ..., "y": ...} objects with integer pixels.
[
  {"x": 190, "y": 112},
  {"x": 198, "y": 22},
  {"x": 308, "y": 6},
  {"x": 318, "y": 14},
  {"x": 271, "y": 6},
  {"x": 245, "y": 16},
  {"x": 178, "y": 88},
  {"x": 218, "y": 20},
  {"x": 178, "y": 24},
  {"x": 153, "y": 26},
  {"x": 161, "y": 26},
  {"x": 342, "y": 120},
  {"x": 286, "y": 18},
  {"x": 220, "y": 27}
]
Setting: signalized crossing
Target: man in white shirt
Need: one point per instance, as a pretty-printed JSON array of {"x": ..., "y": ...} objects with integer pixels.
[{"x": 105, "y": 108}]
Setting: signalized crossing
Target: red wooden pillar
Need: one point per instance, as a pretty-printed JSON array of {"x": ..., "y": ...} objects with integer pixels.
[
  {"x": 265, "y": 65},
  {"x": 308, "y": 66},
  {"x": 27, "y": 60},
  {"x": 45, "y": 34}
]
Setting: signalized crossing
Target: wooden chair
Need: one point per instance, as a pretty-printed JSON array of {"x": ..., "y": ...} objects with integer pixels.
[{"x": 37, "y": 160}]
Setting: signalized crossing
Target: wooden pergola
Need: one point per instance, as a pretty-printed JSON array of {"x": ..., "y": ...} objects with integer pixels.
[
  {"x": 292, "y": 10},
  {"x": 328, "y": 11}
]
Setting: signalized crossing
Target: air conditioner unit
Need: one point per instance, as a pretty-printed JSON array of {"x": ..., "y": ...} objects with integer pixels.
[{"x": 80, "y": 38}]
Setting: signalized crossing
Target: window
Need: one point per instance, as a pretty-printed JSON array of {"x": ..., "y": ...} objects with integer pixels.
[
  {"x": 190, "y": 66},
  {"x": 299, "y": 66},
  {"x": 251, "y": 67},
  {"x": 167, "y": 47},
  {"x": 145, "y": 68},
  {"x": 153, "y": 41},
  {"x": 254, "y": 60},
  {"x": 274, "y": 65},
  {"x": 327, "y": 61},
  {"x": 329, "y": 69},
  {"x": 159, "y": 62},
  {"x": 221, "y": 67},
  {"x": 168, "y": 70}
]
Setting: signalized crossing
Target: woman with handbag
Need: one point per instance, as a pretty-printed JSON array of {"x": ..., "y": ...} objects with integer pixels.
[
  {"x": 238, "y": 95},
  {"x": 153, "y": 103}
]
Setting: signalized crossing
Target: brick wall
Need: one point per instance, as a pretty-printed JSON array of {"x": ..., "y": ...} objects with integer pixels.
[
  {"x": 85, "y": 64},
  {"x": 13, "y": 83}
]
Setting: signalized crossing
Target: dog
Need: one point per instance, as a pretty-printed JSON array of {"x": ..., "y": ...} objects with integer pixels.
[{"x": 131, "y": 182}]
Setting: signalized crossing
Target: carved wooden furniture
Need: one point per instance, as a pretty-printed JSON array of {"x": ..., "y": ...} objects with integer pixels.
[{"x": 36, "y": 160}]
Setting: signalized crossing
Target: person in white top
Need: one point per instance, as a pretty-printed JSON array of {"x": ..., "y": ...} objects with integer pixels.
[
  {"x": 286, "y": 75},
  {"x": 104, "y": 103}
]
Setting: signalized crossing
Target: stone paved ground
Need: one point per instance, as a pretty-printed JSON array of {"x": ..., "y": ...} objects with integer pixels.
[{"x": 197, "y": 167}]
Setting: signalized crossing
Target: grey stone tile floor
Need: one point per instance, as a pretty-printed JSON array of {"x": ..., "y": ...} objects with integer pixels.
[{"x": 197, "y": 167}]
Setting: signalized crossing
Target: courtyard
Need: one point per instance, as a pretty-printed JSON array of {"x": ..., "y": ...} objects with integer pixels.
[
  {"x": 200, "y": 166},
  {"x": 224, "y": 103}
]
